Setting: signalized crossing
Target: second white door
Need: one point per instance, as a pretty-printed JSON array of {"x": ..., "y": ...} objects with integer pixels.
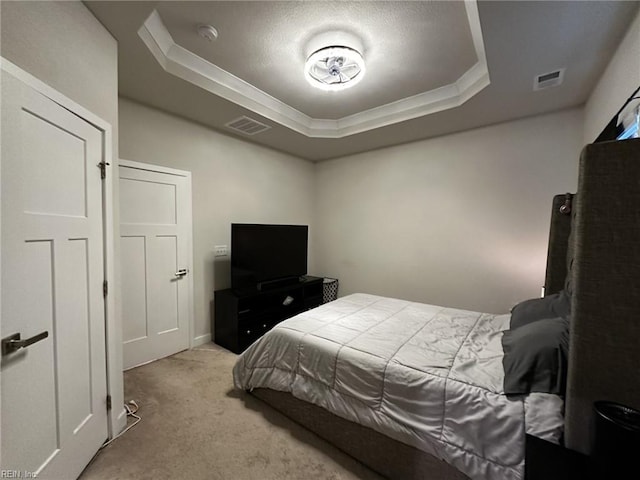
[{"x": 155, "y": 246}]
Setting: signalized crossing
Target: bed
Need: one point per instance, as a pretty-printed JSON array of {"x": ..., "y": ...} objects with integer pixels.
[{"x": 422, "y": 391}]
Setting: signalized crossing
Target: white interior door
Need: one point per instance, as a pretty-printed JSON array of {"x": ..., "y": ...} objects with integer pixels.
[
  {"x": 155, "y": 246},
  {"x": 53, "y": 392}
]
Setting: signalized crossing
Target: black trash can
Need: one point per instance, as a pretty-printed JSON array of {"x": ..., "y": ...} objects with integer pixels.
[
  {"x": 329, "y": 289},
  {"x": 616, "y": 450}
]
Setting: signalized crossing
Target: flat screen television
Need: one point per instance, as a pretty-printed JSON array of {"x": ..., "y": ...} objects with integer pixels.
[
  {"x": 625, "y": 123},
  {"x": 263, "y": 255}
]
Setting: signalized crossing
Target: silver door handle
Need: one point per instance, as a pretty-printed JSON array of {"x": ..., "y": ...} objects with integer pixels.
[
  {"x": 13, "y": 342},
  {"x": 182, "y": 272}
]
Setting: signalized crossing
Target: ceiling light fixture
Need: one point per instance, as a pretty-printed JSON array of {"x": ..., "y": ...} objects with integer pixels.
[{"x": 334, "y": 68}]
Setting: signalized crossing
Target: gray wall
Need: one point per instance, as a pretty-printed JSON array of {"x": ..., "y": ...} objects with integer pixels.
[
  {"x": 233, "y": 181},
  {"x": 64, "y": 45},
  {"x": 617, "y": 83},
  {"x": 460, "y": 220}
]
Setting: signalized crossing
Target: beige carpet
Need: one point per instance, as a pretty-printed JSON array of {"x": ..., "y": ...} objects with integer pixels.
[{"x": 196, "y": 426}]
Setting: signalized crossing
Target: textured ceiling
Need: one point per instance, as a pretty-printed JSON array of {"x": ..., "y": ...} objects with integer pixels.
[
  {"x": 410, "y": 47},
  {"x": 270, "y": 54}
]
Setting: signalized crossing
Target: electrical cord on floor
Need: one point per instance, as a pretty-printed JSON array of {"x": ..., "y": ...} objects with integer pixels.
[{"x": 131, "y": 407}]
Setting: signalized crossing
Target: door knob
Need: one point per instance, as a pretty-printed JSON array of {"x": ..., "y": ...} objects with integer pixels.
[
  {"x": 182, "y": 272},
  {"x": 13, "y": 342}
]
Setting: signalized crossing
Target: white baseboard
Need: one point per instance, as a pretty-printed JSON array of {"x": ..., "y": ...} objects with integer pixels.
[
  {"x": 121, "y": 422},
  {"x": 201, "y": 340}
]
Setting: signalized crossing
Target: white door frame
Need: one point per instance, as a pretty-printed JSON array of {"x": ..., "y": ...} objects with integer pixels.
[
  {"x": 180, "y": 173},
  {"x": 117, "y": 416}
]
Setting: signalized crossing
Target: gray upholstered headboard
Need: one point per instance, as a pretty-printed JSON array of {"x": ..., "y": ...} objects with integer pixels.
[
  {"x": 604, "y": 278},
  {"x": 561, "y": 216}
]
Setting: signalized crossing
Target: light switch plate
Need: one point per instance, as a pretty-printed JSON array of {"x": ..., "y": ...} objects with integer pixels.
[{"x": 221, "y": 250}]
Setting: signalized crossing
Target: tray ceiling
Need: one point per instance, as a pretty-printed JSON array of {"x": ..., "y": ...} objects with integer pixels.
[
  {"x": 433, "y": 67},
  {"x": 264, "y": 71}
]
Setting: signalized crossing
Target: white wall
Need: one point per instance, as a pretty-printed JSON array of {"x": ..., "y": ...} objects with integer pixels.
[
  {"x": 617, "y": 83},
  {"x": 63, "y": 45},
  {"x": 233, "y": 181},
  {"x": 460, "y": 220}
]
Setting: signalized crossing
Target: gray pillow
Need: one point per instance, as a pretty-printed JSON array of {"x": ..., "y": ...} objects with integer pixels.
[
  {"x": 555, "y": 305},
  {"x": 535, "y": 357}
]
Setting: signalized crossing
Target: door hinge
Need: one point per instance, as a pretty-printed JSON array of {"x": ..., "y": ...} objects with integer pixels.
[
  {"x": 105, "y": 288},
  {"x": 103, "y": 169},
  {"x": 108, "y": 402}
]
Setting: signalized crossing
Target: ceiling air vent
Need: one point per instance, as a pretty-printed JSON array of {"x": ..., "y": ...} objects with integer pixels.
[
  {"x": 247, "y": 126},
  {"x": 546, "y": 80}
]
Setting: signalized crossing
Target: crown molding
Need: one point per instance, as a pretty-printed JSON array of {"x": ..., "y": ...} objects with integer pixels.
[{"x": 192, "y": 68}]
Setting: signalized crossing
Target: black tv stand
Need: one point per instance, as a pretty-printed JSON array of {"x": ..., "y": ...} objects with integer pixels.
[{"x": 243, "y": 316}]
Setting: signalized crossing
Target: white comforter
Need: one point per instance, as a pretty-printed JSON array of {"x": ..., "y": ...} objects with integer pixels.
[{"x": 428, "y": 376}]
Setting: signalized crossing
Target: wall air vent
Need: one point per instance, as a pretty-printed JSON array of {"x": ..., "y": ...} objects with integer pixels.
[
  {"x": 247, "y": 126},
  {"x": 546, "y": 80}
]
